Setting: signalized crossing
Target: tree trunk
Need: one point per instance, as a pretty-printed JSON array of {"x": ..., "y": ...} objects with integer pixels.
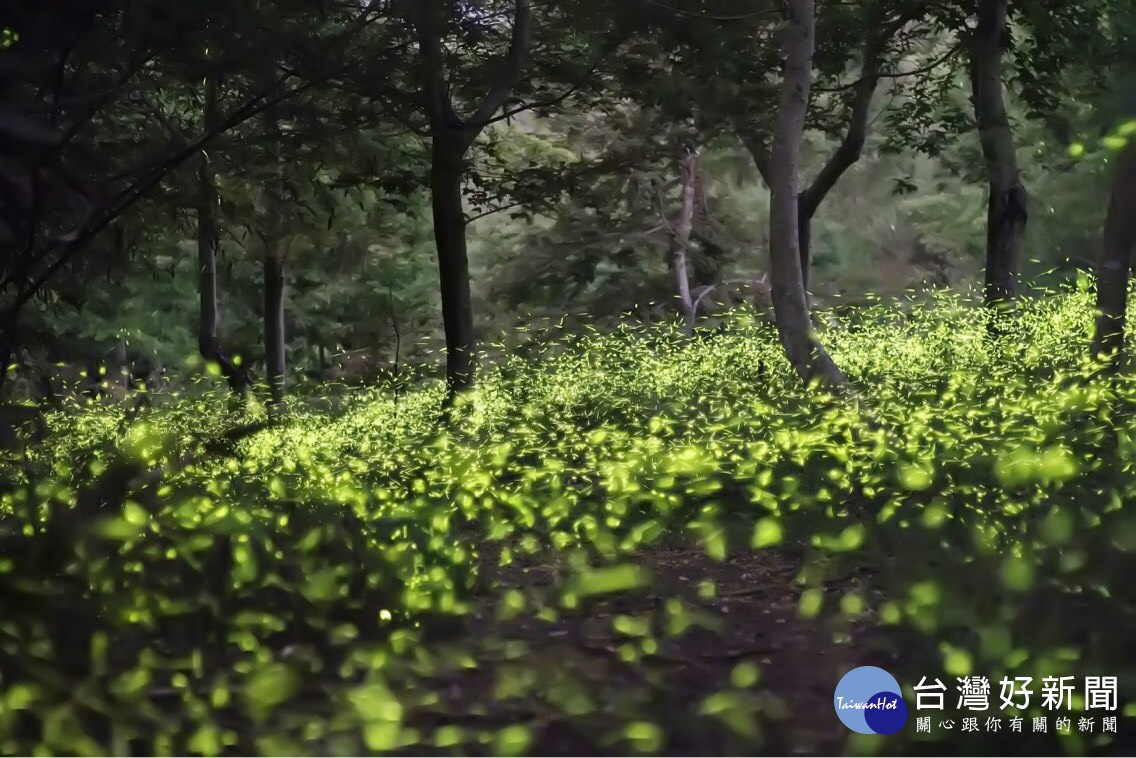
[
  {"x": 453, "y": 261},
  {"x": 1116, "y": 260},
  {"x": 208, "y": 342},
  {"x": 7, "y": 352},
  {"x": 273, "y": 271},
  {"x": 450, "y": 137},
  {"x": 1007, "y": 211},
  {"x": 274, "y": 266},
  {"x": 790, "y": 307},
  {"x": 804, "y": 240},
  {"x": 845, "y": 156},
  {"x": 680, "y": 238}
]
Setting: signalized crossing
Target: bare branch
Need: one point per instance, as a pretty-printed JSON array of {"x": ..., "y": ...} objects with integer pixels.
[{"x": 852, "y": 146}]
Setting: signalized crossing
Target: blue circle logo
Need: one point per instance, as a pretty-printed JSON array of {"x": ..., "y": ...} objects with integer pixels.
[{"x": 868, "y": 701}]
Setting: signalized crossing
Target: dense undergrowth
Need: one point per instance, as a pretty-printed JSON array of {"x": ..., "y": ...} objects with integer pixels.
[{"x": 366, "y": 582}]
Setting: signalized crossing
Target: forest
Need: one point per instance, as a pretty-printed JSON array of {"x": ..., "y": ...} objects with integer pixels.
[{"x": 563, "y": 377}]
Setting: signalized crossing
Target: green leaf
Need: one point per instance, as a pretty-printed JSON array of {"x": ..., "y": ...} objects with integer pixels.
[
  {"x": 731, "y": 709},
  {"x": 134, "y": 514},
  {"x": 1017, "y": 574},
  {"x": 512, "y": 603},
  {"x": 745, "y": 675},
  {"x": 767, "y": 533},
  {"x": 631, "y": 626},
  {"x": 1057, "y": 463},
  {"x": 851, "y": 538},
  {"x": 715, "y": 544},
  {"x": 448, "y": 736},
  {"x": 851, "y": 604},
  {"x": 915, "y": 477},
  {"x": 512, "y": 740},
  {"x": 206, "y": 740},
  {"x": 269, "y": 686},
  {"x": 1057, "y": 527},
  {"x": 322, "y": 586},
  {"x": 956, "y": 661},
  {"x": 382, "y": 736},
  {"x": 644, "y": 737},
  {"x": 608, "y": 580},
  {"x": 374, "y": 702},
  {"x": 812, "y": 600}
]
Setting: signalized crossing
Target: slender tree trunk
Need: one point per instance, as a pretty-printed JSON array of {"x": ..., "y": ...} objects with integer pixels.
[
  {"x": 451, "y": 136},
  {"x": 846, "y": 155},
  {"x": 273, "y": 273},
  {"x": 453, "y": 262},
  {"x": 1116, "y": 261},
  {"x": 7, "y": 352},
  {"x": 274, "y": 268},
  {"x": 851, "y": 148},
  {"x": 680, "y": 238},
  {"x": 208, "y": 342},
  {"x": 790, "y": 307},
  {"x": 1007, "y": 208}
]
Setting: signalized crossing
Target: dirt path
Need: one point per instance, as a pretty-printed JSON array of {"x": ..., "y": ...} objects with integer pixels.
[{"x": 754, "y": 617}]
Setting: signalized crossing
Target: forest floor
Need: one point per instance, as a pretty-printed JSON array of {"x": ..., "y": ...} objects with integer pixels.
[
  {"x": 756, "y": 602},
  {"x": 645, "y": 547}
]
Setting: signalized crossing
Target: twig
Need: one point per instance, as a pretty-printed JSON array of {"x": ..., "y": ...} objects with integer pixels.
[{"x": 898, "y": 74}]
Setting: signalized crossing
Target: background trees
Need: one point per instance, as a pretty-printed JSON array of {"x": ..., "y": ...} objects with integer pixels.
[{"x": 566, "y": 176}]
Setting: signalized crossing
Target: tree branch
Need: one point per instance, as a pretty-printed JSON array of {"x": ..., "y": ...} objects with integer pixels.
[
  {"x": 758, "y": 151},
  {"x": 954, "y": 50},
  {"x": 492, "y": 211},
  {"x": 439, "y": 108},
  {"x": 852, "y": 146},
  {"x": 529, "y": 106},
  {"x": 153, "y": 176},
  {"x": 514, "y": 63},
  {"x": 706, "y": 289}
]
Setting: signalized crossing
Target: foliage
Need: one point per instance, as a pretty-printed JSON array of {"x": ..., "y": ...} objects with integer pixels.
[
  {"x": 557, "y": 569},
  {"x": 347, "y": 571}
]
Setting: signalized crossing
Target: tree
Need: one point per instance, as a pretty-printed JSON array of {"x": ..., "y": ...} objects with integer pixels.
[
  {"x": 451, "y": 136},
  {"x": 880, "y": 30},
  {"x": 791, "y": 310},
  {"x": 1007, "y": 210},
  {"x": 109, "y": 135},
  {"x": 274, "y": 262},
  {"x": 236, "y": 372},
  {"x": 680, "y": 235},
  {"x": 1116, "y": 259}
]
